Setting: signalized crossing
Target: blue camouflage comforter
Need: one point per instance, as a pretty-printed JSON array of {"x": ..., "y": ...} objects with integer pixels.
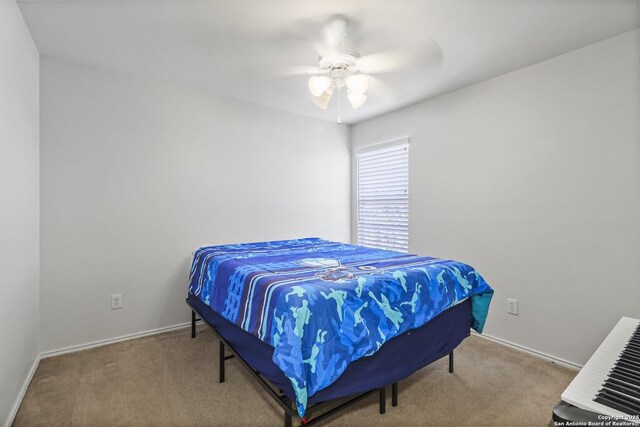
[{"x": 323, "y": 305}]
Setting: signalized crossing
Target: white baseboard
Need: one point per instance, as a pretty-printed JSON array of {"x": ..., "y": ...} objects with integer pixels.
[
  {"x": 100, "y": 343},
  {"x": 23, "y": 391},
  {"x": 539, "y": 354}
]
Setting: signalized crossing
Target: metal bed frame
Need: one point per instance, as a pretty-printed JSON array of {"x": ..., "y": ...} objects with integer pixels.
[{"x": 280, "y": 398}]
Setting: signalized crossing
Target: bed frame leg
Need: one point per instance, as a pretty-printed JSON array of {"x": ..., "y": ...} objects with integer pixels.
[
  {"x": 288, "y": 419},
  {"x": 394, "y": 394},
  {"x": 451, "y": 362},
  {"x": 193, "y": 324},
  {"x": 221, "y": 363},
  {"x": 383, "y": 400}
]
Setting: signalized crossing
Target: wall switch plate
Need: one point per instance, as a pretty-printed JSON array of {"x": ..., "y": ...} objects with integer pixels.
[
  {"x": 512, "y": 306},
  {"x": 116, "y": 301}
]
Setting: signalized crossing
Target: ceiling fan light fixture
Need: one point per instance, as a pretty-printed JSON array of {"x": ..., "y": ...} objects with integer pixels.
[
  {"x": 357, "y": 83},
  {"x": 356, "y": 99},
  {"x": 318, "y": 85},
  {"x": 322, "y": 101}
]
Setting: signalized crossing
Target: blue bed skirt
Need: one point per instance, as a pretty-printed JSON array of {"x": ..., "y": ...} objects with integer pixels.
[{"x": 394, "y": 361}]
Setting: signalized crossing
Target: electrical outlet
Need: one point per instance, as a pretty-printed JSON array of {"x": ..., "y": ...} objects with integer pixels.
[
  {"x": 116, "y": 301},
  {"x": 512, "y": 306}
]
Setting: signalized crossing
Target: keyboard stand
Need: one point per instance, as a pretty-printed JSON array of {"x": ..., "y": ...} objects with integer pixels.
[{"x": 564, "y": 412}]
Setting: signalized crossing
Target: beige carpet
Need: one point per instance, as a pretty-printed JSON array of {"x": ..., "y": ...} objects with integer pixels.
[{"x": 171, "y": 380}]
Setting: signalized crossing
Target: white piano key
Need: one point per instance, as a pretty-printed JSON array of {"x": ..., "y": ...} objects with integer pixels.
[{"x": 588, "y": 382}]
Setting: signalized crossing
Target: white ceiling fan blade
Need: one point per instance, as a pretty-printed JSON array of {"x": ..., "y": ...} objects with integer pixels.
[
  {"x": 379, "y": 89},
  {"x": 299, "y": 42},
  {"x": 393, "y": 60},
  {"x": 302, "y": 71},
  {"x": 284, "y": 72},
  {"x": 317, "y": 33}
]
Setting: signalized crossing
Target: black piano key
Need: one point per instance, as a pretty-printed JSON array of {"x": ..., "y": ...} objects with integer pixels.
[
  {"x": 631, "y": 375},
  {"x": 626, "y": 379},
  {"x": 622, "y": 398},
  {"x": 620, "y": 364},
  {"x": 611, "y": 404},
  {"x": 621, "y": 389},
  {"x": 630, "y": 357},
  {"x": 629, "y": 391},
  {"x": 630, "y": 353},
  {"x": 634, "y": 340},
  {"x": 621, "y": 381},
  {"x": 622, "y": 404},
  {"x": 628, "y": 365}
]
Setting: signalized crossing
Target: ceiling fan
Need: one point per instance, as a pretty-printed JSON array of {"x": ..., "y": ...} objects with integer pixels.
[
  {"x": 338, "y": 67},
  {"x": 341, "y": 66}
]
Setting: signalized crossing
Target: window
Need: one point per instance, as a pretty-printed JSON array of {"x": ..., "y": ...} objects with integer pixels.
[{"x": 383, "y": 197}]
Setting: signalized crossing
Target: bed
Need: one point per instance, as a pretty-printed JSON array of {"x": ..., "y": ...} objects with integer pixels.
[{"x": 319, "y": 322}]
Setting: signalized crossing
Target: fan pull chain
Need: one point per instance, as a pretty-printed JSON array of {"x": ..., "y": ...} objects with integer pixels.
[{"x": 339, "y": 102}]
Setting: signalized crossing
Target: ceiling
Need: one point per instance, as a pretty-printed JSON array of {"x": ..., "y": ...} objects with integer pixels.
[{"x": 243, "y": 49}]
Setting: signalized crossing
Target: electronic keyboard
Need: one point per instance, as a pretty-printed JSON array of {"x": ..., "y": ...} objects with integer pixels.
[{"x": 609, "y": 383}]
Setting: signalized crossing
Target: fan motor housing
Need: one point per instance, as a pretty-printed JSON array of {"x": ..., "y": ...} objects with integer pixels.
[{"x": 343, "y": 61}]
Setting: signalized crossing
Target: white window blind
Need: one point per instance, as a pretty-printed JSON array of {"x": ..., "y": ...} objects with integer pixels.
[{"x": 383, "y": 197}]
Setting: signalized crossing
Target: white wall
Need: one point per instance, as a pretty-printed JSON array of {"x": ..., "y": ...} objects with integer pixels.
[
  {"x": 19, "y": 247},
  {"x": 136, "y": 174},
  {"x": 534, "y": 178}
]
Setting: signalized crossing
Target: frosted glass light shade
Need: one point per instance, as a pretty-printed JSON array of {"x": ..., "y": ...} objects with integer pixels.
[
  {"x": 357, "y": 83},
  {"x": 322, "y": 101},
  {"x": 356, "y": 99},
  {"x": 318, "y": 85}
]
